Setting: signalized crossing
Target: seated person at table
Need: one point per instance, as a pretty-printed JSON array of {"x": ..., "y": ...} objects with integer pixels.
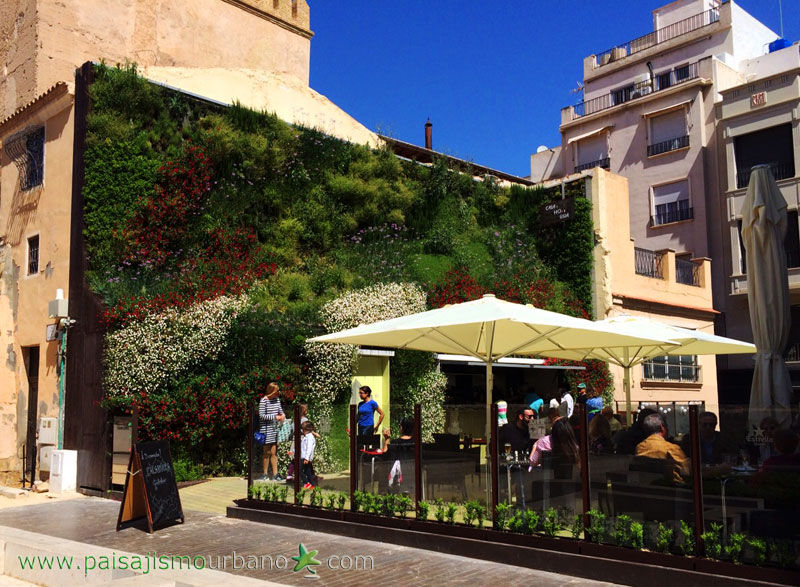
[
  {"x": 656, "y": 446},
  {"x": 516, "y": 433},
  {"x": 626, "y": 440},
  {"x": 713, "y": 447},
  {"x": 561, "y": 445},
  {"x": 600, "y": 436},
  {"x": 787, "y": 460},
  {"x": 613, "y": 423}
]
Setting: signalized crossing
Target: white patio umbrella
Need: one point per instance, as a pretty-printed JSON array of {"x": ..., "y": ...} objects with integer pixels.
[
  {"x": 680, "y": 341},
  {"x": 487, "y": 329},
  {"x": 763, "y": 230}
]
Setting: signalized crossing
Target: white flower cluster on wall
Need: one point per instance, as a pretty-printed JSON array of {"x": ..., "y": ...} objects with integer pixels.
[{"x": 146, "y": 354}]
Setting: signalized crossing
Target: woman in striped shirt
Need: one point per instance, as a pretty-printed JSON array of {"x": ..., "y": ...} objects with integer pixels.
[{"x": 270, "y": 415}]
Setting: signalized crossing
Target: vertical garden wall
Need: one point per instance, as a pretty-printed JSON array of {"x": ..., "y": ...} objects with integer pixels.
[{"x": 216, "y": 236}]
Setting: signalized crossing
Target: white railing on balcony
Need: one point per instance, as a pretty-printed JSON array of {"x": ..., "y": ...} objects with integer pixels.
[{"x": 682, "y": 27}]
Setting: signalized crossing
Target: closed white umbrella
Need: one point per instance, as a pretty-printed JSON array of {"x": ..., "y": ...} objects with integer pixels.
[
  {"x": 681, "y": 341},
  {"x": 488, "y": 329},
  {"x": 763, "y": 230}
]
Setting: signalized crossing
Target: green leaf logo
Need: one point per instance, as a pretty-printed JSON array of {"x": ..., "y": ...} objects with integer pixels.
[{"x": 305, "y": 560}]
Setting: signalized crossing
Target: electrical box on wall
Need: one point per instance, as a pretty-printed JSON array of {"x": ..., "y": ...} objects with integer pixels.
[
  {"x": 58, "y": 308},
  {"x": 48, "y": 431}
]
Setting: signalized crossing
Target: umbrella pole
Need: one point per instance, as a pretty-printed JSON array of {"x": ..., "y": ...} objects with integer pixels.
[
  {"x": 489, "y": 444},
  {"x": 626, "y": 386}
]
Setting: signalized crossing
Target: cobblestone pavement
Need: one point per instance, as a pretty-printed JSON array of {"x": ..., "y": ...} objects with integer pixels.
[{"x": 213, "y": 536}]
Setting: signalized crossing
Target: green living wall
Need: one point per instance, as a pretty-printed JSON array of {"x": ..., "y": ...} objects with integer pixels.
[{"x": 216, "y": 236}]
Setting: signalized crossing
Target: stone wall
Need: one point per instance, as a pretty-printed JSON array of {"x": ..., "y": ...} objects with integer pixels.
[{"x": 43, "y": 41}]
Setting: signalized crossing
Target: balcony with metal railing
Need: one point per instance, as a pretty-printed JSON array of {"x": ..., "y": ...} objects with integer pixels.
[
  {"x": 648, "y": 263},
  {"x": 667, "y": 146},
  {"x": 672, "y": 215},
  {"x": 658, "y": 36},
  {"x": 660, "y": 82},
  {"x": 605, "y": 163},
  {"x": 687, "y": 272},
  {"x": 780, "y": 170}
]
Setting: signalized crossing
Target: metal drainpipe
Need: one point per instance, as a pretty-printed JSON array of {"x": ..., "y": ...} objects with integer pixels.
[{"x": 61, "y": 377}]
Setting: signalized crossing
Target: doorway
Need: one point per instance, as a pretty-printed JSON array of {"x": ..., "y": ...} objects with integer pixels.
[{"x": 30, "y": 356}]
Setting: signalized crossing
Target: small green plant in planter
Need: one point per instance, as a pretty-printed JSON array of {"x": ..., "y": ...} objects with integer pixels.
[
  {"x": 480, "y": 515},
  {"x": 341, "y": 499},
  {"x": 358, "y": 500},
  {"x": 531, "y": 524},
  {"x": 663, "y": 538},
  {"x": 403, "y": 505},
  {"x": 450, "y": 514},
  {"x": 516, "y": 523},
  {"x": 440, "y": 511},
  {"x": 316, "y": 498},
  {"x": 551, "y": 524},
  {"x": 388, "y": 504},
  {"x": 503, "y": 515},
  {"x": 268, "y": 492},
  {"x": 252, "y": 492},
  {"x": 330, "y": 501},
  {"x": 423, "y": 508},
  {"x": 711, "y": 540},
  {"x": 597, "y": 526},
  {"x": 637, "y": 535},
  {"x": 300, "y": 496},
  {"x": 469, "y": 512},
  {"x": 733, "y": 550},
  {"x": 576, "y": 528},
  {"x": 758, "y": 547},
  {"x": 628, "y": 533},
  {"x": 782, "y": 553},
  {"x": 687, "y": 546},
  {"x": 282, "y": 494}
]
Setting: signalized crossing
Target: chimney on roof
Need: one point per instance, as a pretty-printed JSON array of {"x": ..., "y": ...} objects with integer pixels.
[{"x": 429, "y": 134}]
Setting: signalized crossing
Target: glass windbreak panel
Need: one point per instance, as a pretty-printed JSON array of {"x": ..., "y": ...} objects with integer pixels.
[
  {"x": 328, "y": 474},
  {"x": 454, "y": 464},
  {"x": 539, "y": 480},
  {"x": 641, "y": 489},
  {"x": 386, "y": 464},
  {"x": 266, "y": 469},
  {"x": 751, "y": 486}
]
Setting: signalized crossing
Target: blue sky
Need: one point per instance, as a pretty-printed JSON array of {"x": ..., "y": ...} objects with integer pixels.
[{"x": 491, "y": 75}]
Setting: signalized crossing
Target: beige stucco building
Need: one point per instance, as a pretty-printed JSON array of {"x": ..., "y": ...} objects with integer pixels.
[
  {"x": 252, "y": 51},
  {"x": 628, "y": 280},
  {"x": 678, "y": 112}
]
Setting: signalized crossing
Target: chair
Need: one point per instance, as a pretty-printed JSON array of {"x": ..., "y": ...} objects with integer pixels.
[{"x": 446, "y": 442}]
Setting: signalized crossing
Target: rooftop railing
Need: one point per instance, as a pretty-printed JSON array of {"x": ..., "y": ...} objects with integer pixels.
[{"x": 682, "y": 27}]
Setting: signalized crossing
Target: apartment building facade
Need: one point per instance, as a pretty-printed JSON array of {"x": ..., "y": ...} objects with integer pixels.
[
  {"x": 759, "y": 123},
  {"x": 668, "y": 111}
]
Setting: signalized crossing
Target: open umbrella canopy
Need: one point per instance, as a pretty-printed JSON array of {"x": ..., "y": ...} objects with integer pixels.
[
  {"x": 488, "y": 329},
  {"x": 680, "y": 341}
]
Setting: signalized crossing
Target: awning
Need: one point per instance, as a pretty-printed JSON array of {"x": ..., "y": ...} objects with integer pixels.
[
  {"x": 590, "y": 134},
  {"x": 667, "y": 108}
]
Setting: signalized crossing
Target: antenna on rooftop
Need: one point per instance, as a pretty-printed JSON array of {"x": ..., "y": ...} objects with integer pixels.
[
  {"x": 577, "y": 89},
  {"x": 780, "y": 13}
]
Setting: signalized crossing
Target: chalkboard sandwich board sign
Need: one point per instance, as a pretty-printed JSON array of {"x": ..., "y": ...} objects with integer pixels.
[{"x": 150, "y": 488}]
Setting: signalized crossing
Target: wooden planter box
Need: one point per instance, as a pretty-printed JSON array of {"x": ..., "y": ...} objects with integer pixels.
[{"x": 558, "y": 555}]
